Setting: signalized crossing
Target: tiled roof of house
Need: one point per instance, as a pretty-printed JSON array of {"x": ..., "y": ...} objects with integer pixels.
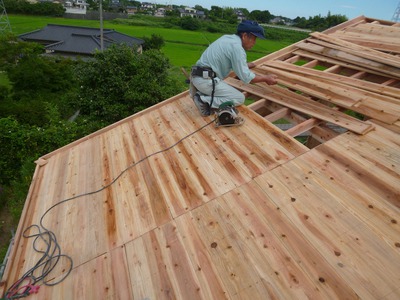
[{"x": 77, "y": 40}]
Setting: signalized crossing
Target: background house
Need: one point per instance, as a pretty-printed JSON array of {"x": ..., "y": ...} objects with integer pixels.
[
  {"x": 75, "y": 41},
  {"x": 240, "y": 15},
  {"x": 147, "y": 5},
  {"x": 191, "y": 12},
  {"x": 131, "y": 10},
  {"x": 160, "y": 12}
]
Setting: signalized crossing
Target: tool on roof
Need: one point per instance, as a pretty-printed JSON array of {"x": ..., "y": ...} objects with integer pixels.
[{"x": 228, "y": 115}]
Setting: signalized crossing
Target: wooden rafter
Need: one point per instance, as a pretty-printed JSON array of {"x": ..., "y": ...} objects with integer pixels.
[{"x": 303, "y": 104}]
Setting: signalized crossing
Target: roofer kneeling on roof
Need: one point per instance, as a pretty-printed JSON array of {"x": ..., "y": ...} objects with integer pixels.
[{"x": 228, "y": 53}]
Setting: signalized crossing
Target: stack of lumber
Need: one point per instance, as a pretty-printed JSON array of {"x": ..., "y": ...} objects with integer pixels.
[
  {"x": 327, "y": 76},
  {"x": 373, "y": 35},
  {"x": 348, "y": 54}
]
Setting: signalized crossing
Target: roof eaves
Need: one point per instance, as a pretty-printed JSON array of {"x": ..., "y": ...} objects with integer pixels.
[
  {"x": 28, "y": 33},
  {"x": 75, "y": 27}
]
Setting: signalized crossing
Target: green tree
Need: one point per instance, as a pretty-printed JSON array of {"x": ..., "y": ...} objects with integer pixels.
[
  {"x": 120, "y": 82},
  {"x": 320, "y": 23},
  {"x": 93, "y": 4},
  {"x": 215, "y": 13},
  {"x": 17, "y": 6},
  {"x": 25, "y": 144},
  {"x": 12, "y": 50},
  {"x": 333, "y": 20},
  {"x": 36, "y": 74},
  {"x": 154, "y": 42},
  {"x": 300, "y": 22},
  {"x": 29, "y": 142},
  {"x": 230, "y": 15},
  {"x": 260, "y": 16},
  {"x": 40, "y": 8},
  {"x": 134, "y": 3},
  {"x": 34, "y": 81},
  {"x": 173, "y": 13},
  {"x": 190, "y": 23},
  {"x": 199, "y": 7}
]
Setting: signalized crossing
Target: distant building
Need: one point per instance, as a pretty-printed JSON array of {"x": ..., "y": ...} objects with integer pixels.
[
  {"x": 76, "y": 7},
  {"x": 115, "y": 5},
  {"x": 74, "y": 41},
  {"x": 276, "y": 20},
  {"x": 187, "y": 12},
  {"x": 200, "y": 14},
  {"x": 147, "y": 5},
  {"x": 80, "y": 4},
  {"x": 191, "y": 12},
  {"x": 160, "y": 12},
  {"x": 240, "y": 15},
  {"x": 131, "y": 10}
]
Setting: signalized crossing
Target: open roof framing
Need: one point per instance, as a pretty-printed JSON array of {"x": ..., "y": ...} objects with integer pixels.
[{"x": 164, "y": 205}]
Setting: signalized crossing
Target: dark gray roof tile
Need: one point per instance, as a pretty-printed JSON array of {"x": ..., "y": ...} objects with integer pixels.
[{"x": 79, "y": 40}]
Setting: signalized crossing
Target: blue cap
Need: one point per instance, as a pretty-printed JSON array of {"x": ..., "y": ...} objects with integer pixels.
[{"x": 252, "y": 27}]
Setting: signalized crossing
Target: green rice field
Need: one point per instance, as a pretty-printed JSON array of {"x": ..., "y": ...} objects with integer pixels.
[{"x": 182, "y": 47}]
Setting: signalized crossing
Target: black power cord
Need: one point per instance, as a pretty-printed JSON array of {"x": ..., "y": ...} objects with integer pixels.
[{"x": 28, "y": 283}]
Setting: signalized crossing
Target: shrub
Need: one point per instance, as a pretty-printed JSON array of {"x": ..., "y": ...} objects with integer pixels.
[
  {"x": 190, "y": 23},
  {"x": 4, "y": 93},
  {"x": 40, "y": 8},
  {"x": 154, "y": 42},
  {"x": 120, "y": 82}
]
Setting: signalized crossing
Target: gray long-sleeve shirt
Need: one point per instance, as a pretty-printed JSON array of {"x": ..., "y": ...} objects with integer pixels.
[{"x": 227, "y": 54}]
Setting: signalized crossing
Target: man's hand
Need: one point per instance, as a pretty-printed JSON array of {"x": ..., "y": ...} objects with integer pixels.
[
  {"x": 271, "y": 79},
  {"x": 268, "y": 79}
]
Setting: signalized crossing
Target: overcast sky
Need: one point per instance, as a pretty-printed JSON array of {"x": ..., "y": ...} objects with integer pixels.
[{"x": 377, "y": 9}]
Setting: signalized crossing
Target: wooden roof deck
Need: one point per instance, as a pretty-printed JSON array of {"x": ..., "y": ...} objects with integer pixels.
[{"x": 179, "y": 209}]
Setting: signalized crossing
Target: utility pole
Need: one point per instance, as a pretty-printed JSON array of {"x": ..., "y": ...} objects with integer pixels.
[
  {"x": 396, "y": 15},
  {"x": 101, "y": 26},
  {"x": 4, "y": 22}
]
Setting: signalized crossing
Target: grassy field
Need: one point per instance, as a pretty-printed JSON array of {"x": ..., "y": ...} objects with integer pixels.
[{"x": 182, "y": 47}]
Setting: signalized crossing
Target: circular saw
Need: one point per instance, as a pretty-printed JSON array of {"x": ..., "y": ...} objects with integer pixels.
[{"x": 227, "y": 115}]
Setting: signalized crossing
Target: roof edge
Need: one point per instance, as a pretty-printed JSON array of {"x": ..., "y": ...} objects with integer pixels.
[{"x": 111, "y": 126}]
